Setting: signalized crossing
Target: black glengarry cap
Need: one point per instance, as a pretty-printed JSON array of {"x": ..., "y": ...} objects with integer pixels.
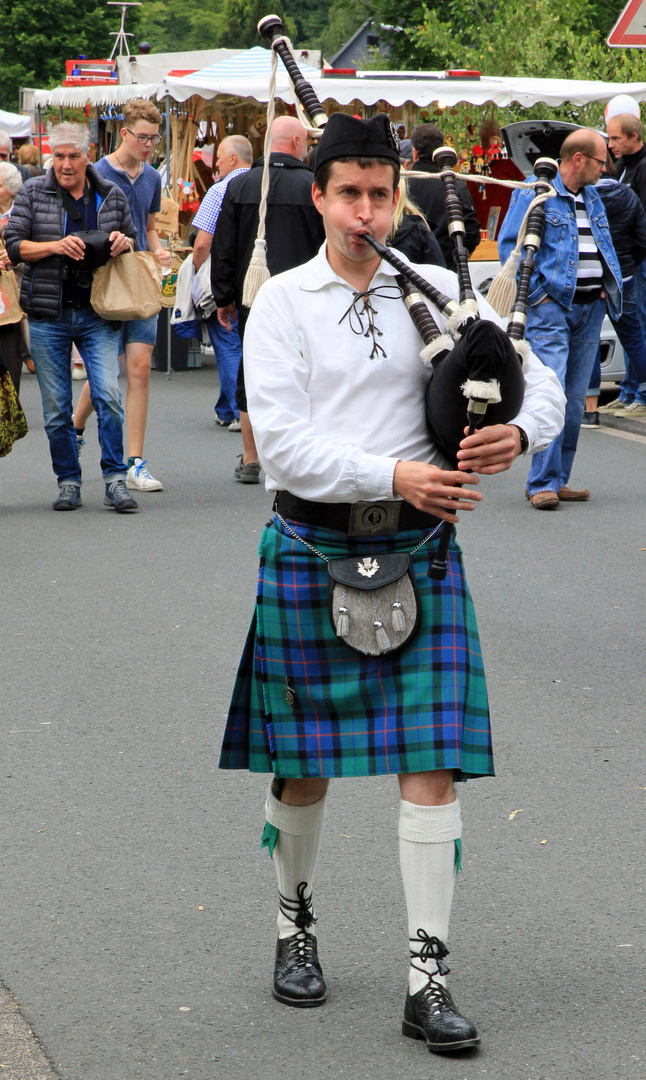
[{"x": 345, "y": 136}]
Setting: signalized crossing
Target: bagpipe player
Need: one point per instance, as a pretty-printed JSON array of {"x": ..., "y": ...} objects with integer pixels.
[{"x": 336, "y": 393}]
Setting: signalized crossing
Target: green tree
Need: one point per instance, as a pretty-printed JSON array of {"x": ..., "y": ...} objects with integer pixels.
[
  {"x": 38, "y": 36},
  {"x": 531, "y": 38},
  {"x": 206, "y": 24}
]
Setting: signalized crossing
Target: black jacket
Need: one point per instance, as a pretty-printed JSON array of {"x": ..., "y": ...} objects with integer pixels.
[
  {"x": 631, "y": 170},
  {"x": 428, "y": 195},
  {"x": 627, "y": 222},
  {"x": 293, "y": 231},
  {"x": 37, "y": 216},
  {"x": 417, "y": 242}
]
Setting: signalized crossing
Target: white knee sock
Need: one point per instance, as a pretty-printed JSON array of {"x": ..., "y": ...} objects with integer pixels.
[
  {"x": 300, "y": 829},
  {"x": 427, "y": 836}
]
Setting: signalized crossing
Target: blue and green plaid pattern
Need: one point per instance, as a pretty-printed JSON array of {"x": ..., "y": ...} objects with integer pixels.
[{"x": 423, "y": 708}]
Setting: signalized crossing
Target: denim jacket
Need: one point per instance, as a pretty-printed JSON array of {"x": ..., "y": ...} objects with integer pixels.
[{"x": 557, "y": 258}]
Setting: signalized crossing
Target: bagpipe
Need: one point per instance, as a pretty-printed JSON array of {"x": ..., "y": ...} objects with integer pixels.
[{"x": 476, "y": 366}]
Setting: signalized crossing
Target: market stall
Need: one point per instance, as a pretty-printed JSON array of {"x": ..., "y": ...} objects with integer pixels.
[{"x": 15, "y": 125}]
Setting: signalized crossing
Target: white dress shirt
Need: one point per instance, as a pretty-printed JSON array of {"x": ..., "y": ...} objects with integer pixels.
[{"x": 330, "y": 421}]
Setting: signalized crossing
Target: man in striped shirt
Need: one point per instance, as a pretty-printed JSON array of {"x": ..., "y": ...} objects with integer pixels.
[{"x": 576, "y": 273}]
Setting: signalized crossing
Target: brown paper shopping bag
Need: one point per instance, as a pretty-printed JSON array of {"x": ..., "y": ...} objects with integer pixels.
[{"x": 128, "y": 287}]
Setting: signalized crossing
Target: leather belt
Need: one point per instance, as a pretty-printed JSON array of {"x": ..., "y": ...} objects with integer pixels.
[
  {"x": 75, "y": 305},
  {"x": 383, "y": 517}
]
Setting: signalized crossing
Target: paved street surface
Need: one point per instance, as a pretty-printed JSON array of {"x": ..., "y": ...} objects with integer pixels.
[{"x": 137, "y": 917}]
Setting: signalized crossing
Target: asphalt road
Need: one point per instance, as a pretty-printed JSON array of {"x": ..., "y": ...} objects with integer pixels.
[{"x": 137, "y": 917}]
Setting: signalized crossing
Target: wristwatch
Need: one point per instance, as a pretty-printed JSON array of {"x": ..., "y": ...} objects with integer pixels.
[{"x": 524, "y": 441}]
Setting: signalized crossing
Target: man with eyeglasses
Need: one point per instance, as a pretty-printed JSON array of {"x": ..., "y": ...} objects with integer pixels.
[
  {"x": 128, "y": 168},
  {"x": 576, "y": 272}
]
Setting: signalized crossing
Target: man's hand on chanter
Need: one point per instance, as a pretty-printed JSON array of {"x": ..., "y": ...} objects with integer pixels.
[
  {"x": 489, "y": 449},
  {"x": 434, "y": 491}
]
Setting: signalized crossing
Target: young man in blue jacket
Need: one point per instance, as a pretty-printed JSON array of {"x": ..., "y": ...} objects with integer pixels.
[{"x": 576, "y": 274}]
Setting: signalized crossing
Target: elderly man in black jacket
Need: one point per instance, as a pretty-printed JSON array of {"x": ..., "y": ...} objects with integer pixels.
[
  {"x": 48, "y": 213},
  {"x": 429, "y": 195},
  {"x": 294, "y": 233}
]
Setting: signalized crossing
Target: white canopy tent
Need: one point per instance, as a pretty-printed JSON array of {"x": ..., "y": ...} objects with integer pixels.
[
  {"x": 19, "y": 127},
  {"x": 247, "y": 75},
  {"x": 78, "y": 96}
]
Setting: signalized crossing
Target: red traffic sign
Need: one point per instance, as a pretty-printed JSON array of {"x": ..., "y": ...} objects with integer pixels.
[{"x": 629, "y": 32}]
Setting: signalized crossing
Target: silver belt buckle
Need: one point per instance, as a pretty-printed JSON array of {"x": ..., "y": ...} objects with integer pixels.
[{"x": 372, "y": 518}]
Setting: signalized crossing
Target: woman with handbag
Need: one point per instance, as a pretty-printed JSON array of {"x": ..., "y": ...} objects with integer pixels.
[
  {"x": 10, "y": 330},
  {"x": 128, "y": 168}
]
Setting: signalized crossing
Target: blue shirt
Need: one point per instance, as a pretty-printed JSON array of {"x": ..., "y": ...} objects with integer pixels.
[
  {"x": 143, "y": 195},
  {"x": 207, "y": 216}
]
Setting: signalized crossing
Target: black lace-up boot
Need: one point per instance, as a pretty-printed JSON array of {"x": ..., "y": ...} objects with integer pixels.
[
  {"x": 431, "y": 1014},
  {"x": 298, "y": 979}
]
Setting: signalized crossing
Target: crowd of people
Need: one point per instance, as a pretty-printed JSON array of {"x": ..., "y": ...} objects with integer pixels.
[
  {"x": 53, "y": 224},
  {"x": 590, "y": 262}
]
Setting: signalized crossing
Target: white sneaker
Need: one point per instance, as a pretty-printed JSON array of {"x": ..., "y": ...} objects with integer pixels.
[
  {"x": 234, "y": 425},
  {"x": 79, "y": 373},
  {"x": 139, "y": 479}
]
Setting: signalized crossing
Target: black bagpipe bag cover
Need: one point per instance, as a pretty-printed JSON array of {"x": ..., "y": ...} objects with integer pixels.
[{"x": 484, "y": 352}]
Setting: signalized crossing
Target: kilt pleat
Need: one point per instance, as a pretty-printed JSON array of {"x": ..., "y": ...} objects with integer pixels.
[{"x": 304, "y": 704}]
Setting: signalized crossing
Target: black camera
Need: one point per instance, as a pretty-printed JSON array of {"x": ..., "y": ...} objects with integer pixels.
[{"x": 97, "y": 253}]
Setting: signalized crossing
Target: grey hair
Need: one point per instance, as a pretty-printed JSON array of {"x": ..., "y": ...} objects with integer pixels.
[
  {"x": 10, "y": 177},
  {"x": 67, "y": 134},
  {"x": 5, "y": 140}
]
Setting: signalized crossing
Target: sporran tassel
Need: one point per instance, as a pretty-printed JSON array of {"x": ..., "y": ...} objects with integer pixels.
[
  {"x": 343, "y": 622},
  {"x": 383, "y": 641},
  {"x": 398, "y": 618}
]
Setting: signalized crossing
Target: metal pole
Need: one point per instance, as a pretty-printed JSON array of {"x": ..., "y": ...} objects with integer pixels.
[
  {"x": 99, "y": 141},
  {"x": 40, "y": 136},
  {"x": 168, "y": 153}
]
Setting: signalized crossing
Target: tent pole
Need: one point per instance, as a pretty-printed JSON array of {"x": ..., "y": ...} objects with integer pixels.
[
  {"x": 168, "y": 151},
  {"x": 40, "y": 137}
]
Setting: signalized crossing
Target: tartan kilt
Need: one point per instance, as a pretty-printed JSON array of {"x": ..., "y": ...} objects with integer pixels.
[{"x": 423, "y": 708}]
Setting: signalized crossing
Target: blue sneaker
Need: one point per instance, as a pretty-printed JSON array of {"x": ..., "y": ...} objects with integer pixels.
[
  {"x": 118, "y": 497},
  {"x": 69, "y": 497}
]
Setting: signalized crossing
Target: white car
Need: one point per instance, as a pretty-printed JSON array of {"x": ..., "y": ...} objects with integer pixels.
[{"x": 524, "y": 142}]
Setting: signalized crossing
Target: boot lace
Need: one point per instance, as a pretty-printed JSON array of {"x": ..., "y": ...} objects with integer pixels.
[
  {"x": 300, "y": 948},
  {"x": 436, "y": 995}
]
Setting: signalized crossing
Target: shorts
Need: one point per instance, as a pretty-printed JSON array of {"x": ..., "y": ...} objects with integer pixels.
[{"x": 143, "y": 331}]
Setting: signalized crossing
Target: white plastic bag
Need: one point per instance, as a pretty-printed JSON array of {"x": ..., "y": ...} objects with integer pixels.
[{"x": 201, "y": 292}]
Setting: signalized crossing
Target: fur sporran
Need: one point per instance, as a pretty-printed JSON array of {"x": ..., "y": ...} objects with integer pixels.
[{"x": 374, "y": 603}]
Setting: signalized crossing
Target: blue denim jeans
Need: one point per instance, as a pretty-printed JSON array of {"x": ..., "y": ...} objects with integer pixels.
[
  {"x": 51, "y": 348},
  {"x": 567, "y": 342},
  {"x": 228, "y": 355},
  {"x": 633, "y": 386},
  {"x": 631, "y": 335}
]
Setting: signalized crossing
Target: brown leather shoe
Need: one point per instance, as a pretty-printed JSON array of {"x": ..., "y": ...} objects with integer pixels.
[
  {"x": 567, "y": 494},
  {"x": 544, "y": 500}
]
